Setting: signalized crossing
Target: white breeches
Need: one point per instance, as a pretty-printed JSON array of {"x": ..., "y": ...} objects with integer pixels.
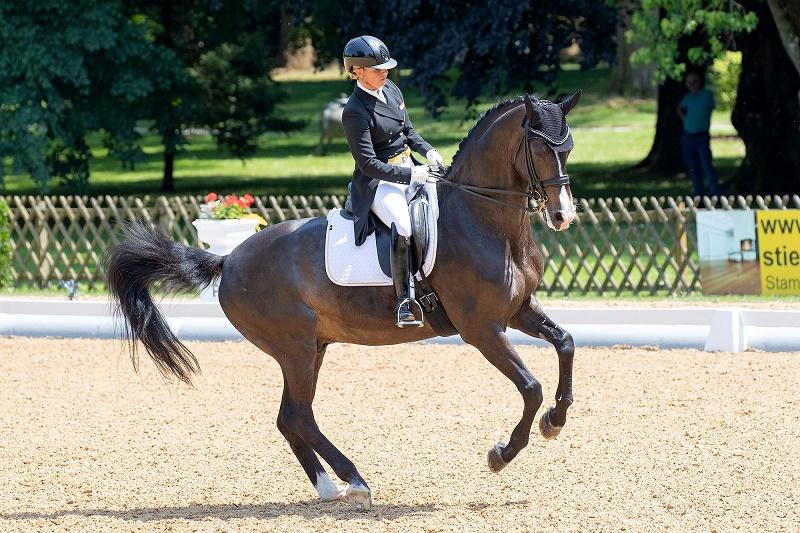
[{"x": 390, "y": 204}]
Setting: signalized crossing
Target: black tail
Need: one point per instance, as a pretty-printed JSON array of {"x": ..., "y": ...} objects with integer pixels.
[{"x": 145, "y": 259}]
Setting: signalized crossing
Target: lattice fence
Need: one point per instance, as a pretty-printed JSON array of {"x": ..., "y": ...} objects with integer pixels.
[{"x": 618, "y": 246}]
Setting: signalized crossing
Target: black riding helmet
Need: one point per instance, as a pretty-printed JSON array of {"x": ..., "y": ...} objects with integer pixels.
[{"x": 367, "y": 51}]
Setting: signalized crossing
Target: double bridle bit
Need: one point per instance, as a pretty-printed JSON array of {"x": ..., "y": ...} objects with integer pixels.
[{"x": 536, "y": 186}]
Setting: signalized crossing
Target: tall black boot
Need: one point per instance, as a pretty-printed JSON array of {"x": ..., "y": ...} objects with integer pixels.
[{"x": 401, "y": 276}]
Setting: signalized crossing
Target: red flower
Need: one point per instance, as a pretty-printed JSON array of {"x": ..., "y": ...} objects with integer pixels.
[
  {"x": 248, "y": 200},
  {"x": 210, "y": 197},
  {"x": 231, "y": 199}
]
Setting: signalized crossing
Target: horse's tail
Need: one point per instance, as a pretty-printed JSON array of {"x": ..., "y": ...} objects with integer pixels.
[{"x": 145, "y": 259}]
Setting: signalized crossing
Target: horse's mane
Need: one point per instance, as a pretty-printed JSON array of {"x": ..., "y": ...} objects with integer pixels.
[{"x": 487, "y": 118}]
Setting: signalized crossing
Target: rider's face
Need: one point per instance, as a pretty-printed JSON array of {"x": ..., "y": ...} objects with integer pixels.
[{"x": 372, "y": 78}]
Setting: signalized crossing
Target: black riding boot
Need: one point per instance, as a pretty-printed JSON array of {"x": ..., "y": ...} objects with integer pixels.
[{"x": 401, "y": 276}]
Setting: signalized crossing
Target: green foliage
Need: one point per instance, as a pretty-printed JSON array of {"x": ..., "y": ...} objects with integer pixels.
[
  {"x": 485, "y": 48},
  {"x": 68, "y": 68},
  {"x": 659, "y": 25},
  {"x": 724, "y": 77},
  {"x": 237, "y": 106},
  {"x": 71, "y": 68},
  {"x": 5, "y": 244}
]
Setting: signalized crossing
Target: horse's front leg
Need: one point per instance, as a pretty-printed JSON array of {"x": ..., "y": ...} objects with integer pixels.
[
  {"x": 534, "y": 322},
  {"x": 495, "y": 346}
]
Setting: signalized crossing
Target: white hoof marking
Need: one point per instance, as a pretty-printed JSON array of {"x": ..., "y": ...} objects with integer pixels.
[{"x": 328, "y": 490}]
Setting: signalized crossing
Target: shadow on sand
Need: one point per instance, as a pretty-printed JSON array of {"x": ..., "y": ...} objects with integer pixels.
[{"x": 309, "y": 509}]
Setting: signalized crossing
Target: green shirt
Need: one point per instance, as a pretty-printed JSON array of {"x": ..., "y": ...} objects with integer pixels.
[{"x": 698, "y": 111}]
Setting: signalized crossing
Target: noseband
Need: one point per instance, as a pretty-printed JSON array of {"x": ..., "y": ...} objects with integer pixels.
[{"x": 536, "y": 185}]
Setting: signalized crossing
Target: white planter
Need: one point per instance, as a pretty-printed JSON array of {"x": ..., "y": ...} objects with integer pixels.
[{"x": 222, "y": 236}]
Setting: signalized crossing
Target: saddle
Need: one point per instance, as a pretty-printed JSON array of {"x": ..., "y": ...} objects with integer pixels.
[{"x": 369, "y": 264}]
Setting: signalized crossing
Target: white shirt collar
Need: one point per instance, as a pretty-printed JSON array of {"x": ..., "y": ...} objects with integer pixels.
[{"x": 377, "y": 94}]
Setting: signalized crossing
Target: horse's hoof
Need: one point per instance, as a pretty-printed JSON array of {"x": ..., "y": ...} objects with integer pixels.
[
  {"x": 360, "y": 497},
  {"x": 496, "y": 462},
  {"x": 548, "y": 430}
]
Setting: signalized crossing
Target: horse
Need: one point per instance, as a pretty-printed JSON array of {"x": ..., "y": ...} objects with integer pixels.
[
  {"x": 275, "y": 291},
  {"x": 330, "y": 123}
]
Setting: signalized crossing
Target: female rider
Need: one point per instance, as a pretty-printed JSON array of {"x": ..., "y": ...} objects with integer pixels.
[{"x": 381, "y": 138}]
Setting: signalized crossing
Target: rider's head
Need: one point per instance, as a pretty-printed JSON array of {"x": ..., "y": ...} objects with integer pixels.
[{"x": 367, "y": 59}]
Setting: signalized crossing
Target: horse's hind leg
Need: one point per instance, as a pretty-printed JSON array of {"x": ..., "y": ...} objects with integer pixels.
[
  {"x": 495, "y": 346},
  {"x": 326, "y": 487},
  {"x": 297, "y": 418},
  {"x": 533, "y": 321}
]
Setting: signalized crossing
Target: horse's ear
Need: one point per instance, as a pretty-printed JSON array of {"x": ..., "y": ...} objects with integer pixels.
[
  {"x": 567, "y": 105},
  {"x": 533, "y": 114}
]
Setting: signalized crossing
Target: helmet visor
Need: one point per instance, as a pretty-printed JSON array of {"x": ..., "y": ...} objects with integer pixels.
[{"x": 387, "y": 65}]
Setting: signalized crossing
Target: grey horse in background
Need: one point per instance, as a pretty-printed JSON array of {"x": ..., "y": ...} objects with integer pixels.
[{"x": 330, "y": 123}]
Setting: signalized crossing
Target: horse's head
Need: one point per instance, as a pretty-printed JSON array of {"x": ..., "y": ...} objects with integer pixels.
[{"x": 545, "y": 146}]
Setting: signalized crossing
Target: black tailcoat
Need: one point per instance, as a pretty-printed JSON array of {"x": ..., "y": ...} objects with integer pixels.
[{"x": 375, "y": 132}]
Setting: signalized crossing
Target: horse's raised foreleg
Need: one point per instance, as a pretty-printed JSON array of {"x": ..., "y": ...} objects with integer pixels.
[
  {"x": 495, "y": 346},
  {"x": 533, "y": 321},
  {"x": 297, "y": 418}
]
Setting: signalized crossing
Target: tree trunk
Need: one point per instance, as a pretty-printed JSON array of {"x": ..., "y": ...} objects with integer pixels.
[
  {"x": 665, "y": 154},
  {"x": 628, "y": 78},
  {"x": 168, "y": 183},
  {"x": 787, "y": 19},
  {"x": 621, "y": 70},
  {"x": 767, "y": 110}
]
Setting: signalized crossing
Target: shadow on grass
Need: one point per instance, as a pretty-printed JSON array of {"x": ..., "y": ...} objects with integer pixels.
[
  {"x": 309, "y": 509},
  {"x": 605, "y": 180}
]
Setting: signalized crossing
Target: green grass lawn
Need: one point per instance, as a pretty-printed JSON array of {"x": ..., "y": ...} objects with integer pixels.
[{"x": 611, "y": 134}]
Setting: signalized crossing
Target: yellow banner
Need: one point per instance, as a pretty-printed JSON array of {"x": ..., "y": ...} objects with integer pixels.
[{"x": 779, "y": 251}]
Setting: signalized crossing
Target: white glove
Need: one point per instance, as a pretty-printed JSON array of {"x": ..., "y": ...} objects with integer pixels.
[
  {"x": 434, "y": 158},
  {"x": 419, "y": 176}
]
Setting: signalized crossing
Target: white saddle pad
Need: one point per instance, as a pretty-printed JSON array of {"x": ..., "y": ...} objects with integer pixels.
[{"x": 353, "y": 266}]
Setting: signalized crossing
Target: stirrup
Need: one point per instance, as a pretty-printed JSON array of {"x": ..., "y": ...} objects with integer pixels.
[{"x": 408, "y": 323}]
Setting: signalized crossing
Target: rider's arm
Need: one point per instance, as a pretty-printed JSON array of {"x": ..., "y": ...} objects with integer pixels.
[
  {"x": 415, "y": 140},
  {"x": 356, "y": 128}
]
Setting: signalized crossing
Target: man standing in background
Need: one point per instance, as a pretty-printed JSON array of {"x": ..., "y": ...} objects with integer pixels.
[{"x": 695, "y": 111}]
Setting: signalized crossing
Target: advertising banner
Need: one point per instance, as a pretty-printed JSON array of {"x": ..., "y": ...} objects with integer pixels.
[
  {"x": 728, "y": 250},
  {"x": 779, "y": 244}
]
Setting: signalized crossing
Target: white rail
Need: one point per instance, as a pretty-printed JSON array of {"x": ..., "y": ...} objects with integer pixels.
[{"x": 712, "y": 329}]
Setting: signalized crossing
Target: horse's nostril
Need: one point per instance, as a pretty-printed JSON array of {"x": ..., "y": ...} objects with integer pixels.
[{"x": 559, "y": 217}]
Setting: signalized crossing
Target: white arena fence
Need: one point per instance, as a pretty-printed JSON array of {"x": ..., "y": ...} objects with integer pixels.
[{"x": 618, "y": 246}]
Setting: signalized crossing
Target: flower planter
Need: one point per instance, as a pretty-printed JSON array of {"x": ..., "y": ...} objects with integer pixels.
[{"x": 222, "y": 236}]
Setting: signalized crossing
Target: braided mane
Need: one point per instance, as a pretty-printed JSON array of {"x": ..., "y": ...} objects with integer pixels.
[{"x": 487, "y": 118}]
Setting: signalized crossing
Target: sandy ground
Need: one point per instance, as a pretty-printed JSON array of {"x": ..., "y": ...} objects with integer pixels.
[{"x": 656, "y": 440}]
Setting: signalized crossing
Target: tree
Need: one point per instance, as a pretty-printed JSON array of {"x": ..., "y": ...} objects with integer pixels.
[
  {"x": 766, "y": 113},
  {"x": 466, "y": 49},
  {"x": 226, "y": 51},
  {"x": 68, "y": 68},
  {"x": 676, "y": 36}
]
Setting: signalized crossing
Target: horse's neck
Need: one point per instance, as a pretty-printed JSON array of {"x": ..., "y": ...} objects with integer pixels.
[
  {"x": 462, "y": 212},
  {"x": 488, "y": 162}
]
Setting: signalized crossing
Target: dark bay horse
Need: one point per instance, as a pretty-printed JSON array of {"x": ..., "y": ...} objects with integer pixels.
[{"x": 275, "y": 291}]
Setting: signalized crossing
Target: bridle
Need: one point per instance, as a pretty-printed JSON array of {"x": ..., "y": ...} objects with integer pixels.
[{"x": 536, "y": 186}]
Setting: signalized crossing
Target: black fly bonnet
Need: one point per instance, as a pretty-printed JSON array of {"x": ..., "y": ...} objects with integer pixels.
[{"x": 552, "y": 128}]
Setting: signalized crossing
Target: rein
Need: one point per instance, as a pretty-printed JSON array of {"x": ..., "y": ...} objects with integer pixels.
[{"x": 536, "y": 186}]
